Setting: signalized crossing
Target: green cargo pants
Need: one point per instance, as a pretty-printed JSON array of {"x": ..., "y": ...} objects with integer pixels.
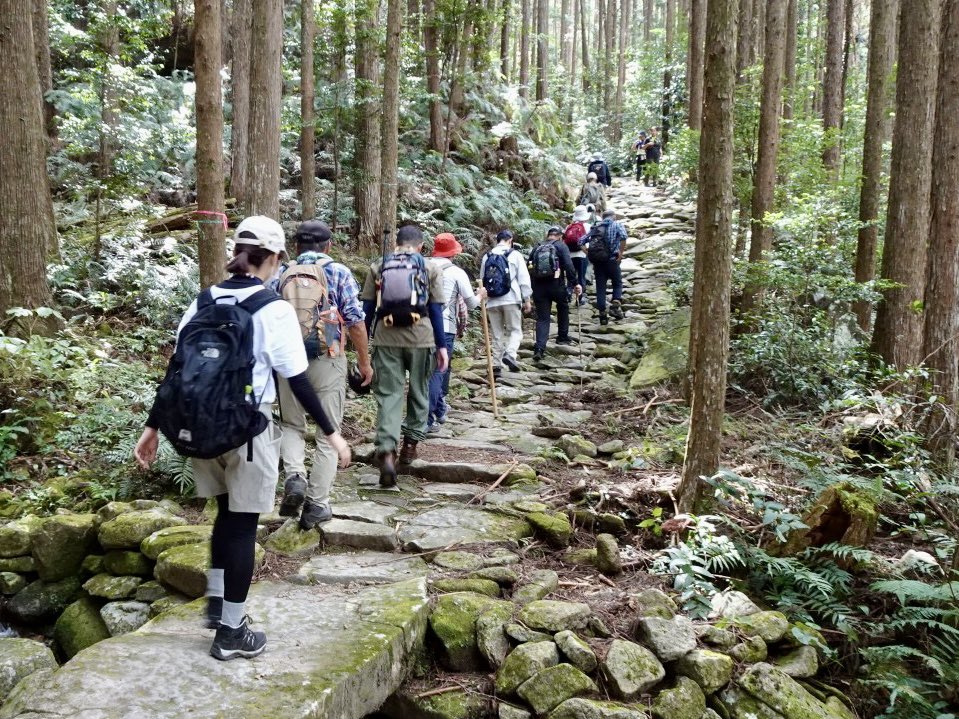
[{"x": 390, "y": 367}]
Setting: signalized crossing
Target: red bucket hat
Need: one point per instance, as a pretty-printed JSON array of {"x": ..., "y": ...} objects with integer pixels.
[{"x": 445, "y": 245}]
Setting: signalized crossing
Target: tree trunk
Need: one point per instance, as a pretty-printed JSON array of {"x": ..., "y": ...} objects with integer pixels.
[
  {"x": 457, "y": 93},
  {"x": 621, "y": 71},
  {"x": 942, "y": 288},
  {"x": 504, "y": 40},
  {"x": 391, "y": 116},
  {"x": 744, "y": 42},
  {"x": 585, "y": 41},
  {"x": 266, "y": 87},
  {"x": 882, "y": 51},
  {"x": 366, "y": 188},
  {"x": 240, "y": 86},
  {"x": 431, "y": 49},
  {"x": 832, "y": 84},
  {"x": 667, "y": 109},
  {"x": 524, "y": 50},
  {"x": 209, "y": 141},
  {"x": 573, "y": 47},
  {"x": 609, "y": 44},
  {"x": 897, "y": 337},
  {"x": 110, "y": 43},
  {"x": 564, "y": 57},
  {"x": 709, "y": 332},
  {"x": 542, "y": 49},
  {"x": 648, "y": 20},
  {"x": 307, "y": 125},
  {"x": 697, "y": 30},
  {"x": 41, "y": 46},
  {"x": 339, "y": 39},
  {"x": 789, "y": 59}
]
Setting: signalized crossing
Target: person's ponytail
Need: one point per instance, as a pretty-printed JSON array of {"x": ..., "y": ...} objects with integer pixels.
[{"x": 247, "y": 259}]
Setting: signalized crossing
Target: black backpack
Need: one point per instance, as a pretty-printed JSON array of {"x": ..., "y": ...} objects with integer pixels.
[
  {"x": 599, "y": 167},
  {"x": 496, "y": 277},
  {"x": 599, "y": 249},
  {"x": 403, "y": 290},
  {"x": 205, "y": 403},
  {"x": 544, "y": 261}
]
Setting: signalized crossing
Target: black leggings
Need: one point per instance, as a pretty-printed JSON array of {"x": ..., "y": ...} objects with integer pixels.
[{"x": 232, "y": 549}]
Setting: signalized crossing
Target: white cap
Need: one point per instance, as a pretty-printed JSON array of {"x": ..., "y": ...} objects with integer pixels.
[{"x": 261, "y": 231}]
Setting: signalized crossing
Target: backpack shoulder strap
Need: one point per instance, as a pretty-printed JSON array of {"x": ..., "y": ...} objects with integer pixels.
[
  {"x": 204, "y": 299},
  {"x": 258, "y": 300}
]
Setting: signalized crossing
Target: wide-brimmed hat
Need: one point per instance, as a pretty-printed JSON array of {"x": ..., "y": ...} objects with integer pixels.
[
  {"x": 446, "y": 245},
  {"x": 581, "y": 214}
]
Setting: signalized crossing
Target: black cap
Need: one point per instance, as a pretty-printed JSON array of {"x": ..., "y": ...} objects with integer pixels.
[
  {"x": 313, "y": 232},
  {"x": 554, "y": 230},
  {"x": 355, "y": 380},
  {"x": 504, "y": 235}
]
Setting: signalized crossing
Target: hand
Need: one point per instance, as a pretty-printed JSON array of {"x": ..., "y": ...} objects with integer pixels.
[
  {"x": 481, "y": 293},
  {"x": 366, "y": 371},
  {"x": 527, "y": 307},
  {"x": 578, "y": 290},
  {"x": 442, "y": 359},
  {"x": 342, "y": 449},
  {"x": 146, "y": 449}
]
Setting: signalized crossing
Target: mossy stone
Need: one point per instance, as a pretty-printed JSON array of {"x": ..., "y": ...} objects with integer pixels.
[
  {"x": 20, "y": 658},
  {"x": 291, "y": 541},
  {"x": 800, "y": 663},
  {"x": 92, "y": 564},
  {"x": 491, "y": 638},
  {"x": 554, "y": 529},
  {"x": 576, "y": 651},
  {"x": 458, "y": 704},
  {"x": 453, "y": 622},
  {"x": 16, "y": 536},
  {"x": 611, "y": 523},
  {"x": 582, "y": 556},
  {"x": 167, "y": 604},
  {"x": 18, "y": 564},
  {"x": 524, "y": 662},
  {"x": 521, "y": 634},
  {"x": 124, "y": 617},
  {"x": 750, "y": 651},
  {"x": 11, "y": 583},
  {"x": 579, "y": 708},
  {"x": 479, "y": 586},
  {"x": 110, "y": 587},
  {"x": 169, "y": 537},
  {"x": 743, "y": 705},
  {"x": 150, "y": 592},
  {"x": 553, "y": 616},
  {"x": 654, "y": 603},
  {"x": 667, "y": 347},
  {"x": 79, "y": 627},
  {"x": 631, "y": 669},
  {"x": 128, "y": 530},
  {"x": 504, "y": 576},
  {"x": 573, "y": 445},
  {"x": 710, "y": 670},
  {"x": 122, "y": 562},
  {"x": 782, "y": 693},
  {"x": 668, "y": 638},
  {"x": 608, "y": 560},
  {"x": 769, "y": 626},
  {"x": 528, "y": 505},
  {"x": 112, "y": 510},
  {"x": 716, "y": 637},
  {"x": 60, "y": 544},
  {"x": 540, "y": 584},
  {"x": 683, "y": 700},
  {"x": 551, "y": 687},
  {"x": 40, "y": 601},
  {"x": 463, "y": 561}
]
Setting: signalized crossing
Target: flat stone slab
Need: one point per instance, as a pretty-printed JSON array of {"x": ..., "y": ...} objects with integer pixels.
[
  {"x": 446, "y": 526},
  {"x": 361, "y": 535},
  {"x": 450, "y": 490},
  {"x": 372, "y": 512},
  {"x": 360, "y": 568},
  {"x": 325, "y": 657}
]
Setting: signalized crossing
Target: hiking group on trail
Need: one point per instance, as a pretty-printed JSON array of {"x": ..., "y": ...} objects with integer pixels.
[{"x": 277, "y": 331}]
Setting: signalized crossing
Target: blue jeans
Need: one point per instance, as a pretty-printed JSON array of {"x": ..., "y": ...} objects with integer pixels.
[
  {"x": 581, "y": 264},
  {"x": 440, "y": 385},
  {"x": 608, "y": 271}
]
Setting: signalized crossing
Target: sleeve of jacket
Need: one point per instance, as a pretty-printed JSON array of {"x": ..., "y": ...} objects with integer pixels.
[
  {"x": 522, "y": 275},
  {"x": 567, "y": 263}
]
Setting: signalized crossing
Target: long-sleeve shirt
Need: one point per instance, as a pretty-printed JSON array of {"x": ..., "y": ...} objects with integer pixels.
[
  {"x": 521, "y": 289},
  {"x": 615, "y": 236},
  {"x": 456, "y": 284}
]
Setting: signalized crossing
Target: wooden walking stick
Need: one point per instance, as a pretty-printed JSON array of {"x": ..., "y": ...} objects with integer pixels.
[{"x": 489, "y": 358}]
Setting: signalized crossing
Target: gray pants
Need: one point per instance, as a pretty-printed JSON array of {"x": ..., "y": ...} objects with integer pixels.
[{"x": 506, "y": 328}]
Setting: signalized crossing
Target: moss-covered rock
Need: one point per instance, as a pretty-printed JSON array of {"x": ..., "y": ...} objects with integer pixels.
[
  {"x": 550, "y": 687},
  {"x": 112, "y": 510},
  {"x": 654, "y": 603},
  {"x": 750, "y": 651},
  {"x": 668, "y": 638},
  {"x": 839, "y": 708},
  {"x": 769, "y": 626},
  {"x": 491, "y": 638},
  {"x": 291, "y": 541},
  {"x": 540, "y": 584},
  {"x": 124, "y": 617},
  {"x": 79, "y": 627},
  {"x": 553, "y": 616},
  {"x": 41, "y": 601},
  {"x": 16, "y": 536},
  {"x": 453, "y": 622},
  {"x": 463, "y": 561},
  {"x": 630, "y": 669},
  {"x": 129, "y": 529},
  {"x": 524, "y": 662},
  {"x": 842, "y": 513},
  {"x": 522, "y": 634},
  {"x": 582, "y": 556},
  {"x": 479, "y": 586},
  {"x": 20, "y": 658},
  {"x": 22, "y": 565},
  {"x": 150, "y": 592},
  {"x": 122, "y": 562},
  {"x": 716, "y": 637},
  {"x": 579, "y": 708},
  {"x": 800, "y": 663},
  {"x": 459, "y": 704},
  {"x": 608, "y": 560},
  {"x": 710, "y": 670},
  {"x": 11, "y": 583},
  {"x": 167, "y": 604},
  {"x": 554, "y": 529},
  {"x": 577, "y": 651},
  {"x": 110, "y": 587},
  {"x": 667, "y": 346},
  {"x": 683, "y": 700},
  {"x": 92, "y": 564},
  {"x": 742, "y": 705},
  {"x": 504, "y": 576},
  {"x": 783, "y": 693},
  {"x": 184, "y": 567},
  {"x": 169, "y": 537},
  {"x": 574, "y": 444},
  {"x": 60, "y": 544}
]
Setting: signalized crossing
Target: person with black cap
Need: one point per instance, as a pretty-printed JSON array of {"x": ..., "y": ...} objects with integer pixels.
[
  {"x": 326, "y": 298},
  {"x": 554, "y": 280},
  {"x": 505, "y": 278}
]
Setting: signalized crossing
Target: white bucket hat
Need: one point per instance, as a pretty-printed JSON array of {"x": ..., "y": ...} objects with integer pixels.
[
  {"x": 261, "y": 231},
  {"x": 581, "y": 214}
]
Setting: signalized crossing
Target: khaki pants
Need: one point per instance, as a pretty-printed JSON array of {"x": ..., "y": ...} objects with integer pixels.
[
  {"x": 506, "y": 327},
  {"x": 390, "y": 368},
  {"x": 327, "y": 376}
]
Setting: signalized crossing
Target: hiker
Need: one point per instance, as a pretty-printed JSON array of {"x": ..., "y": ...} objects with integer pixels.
[
  {"x": 653, "y": 149},
  {"x": 598, "y": 165},
  {"x": 403, "y": 300},
  {"x": 607, "y": 241},
  {"x": 554, "y": 277},
  {"x": 593, "y": 193},
  {"x": 326, "y": 299},
  {"x": 574, "y": 236},
  {"x": 459, "y": 294},
  {"x": 229, "y": 328},
  {"x": 505, "y": 278},
  {"x": 639, "y": 147}
]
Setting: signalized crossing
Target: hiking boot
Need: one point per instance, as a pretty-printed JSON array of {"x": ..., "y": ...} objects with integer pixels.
[
  {"x": 567, "y": 341},
  {"x": 511, "y": 363},
  {"x": 433, "y": 428},
  {"x": 616, "y": 310},
  {"x": 497, "y": 371},
  {"x": 408, "y": 451},
  {"x": 387, "y": 463},
  {"x": 538, "y": 355},
  {"x": 294, "y": 492},
  {"x": 603, "y": 319},
  {"x": 314, "y": 514},
  {"x": 214, "y": 612},
  {"x": 230, "y": 643}
]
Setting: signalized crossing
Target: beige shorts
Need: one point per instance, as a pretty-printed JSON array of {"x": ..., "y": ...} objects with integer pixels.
[{"x": 250, "y": 485}]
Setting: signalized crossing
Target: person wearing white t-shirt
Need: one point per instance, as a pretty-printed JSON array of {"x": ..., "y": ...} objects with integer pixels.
[
  {"x": 506, "y": 312},
  {"x": 244, "y": 479}
]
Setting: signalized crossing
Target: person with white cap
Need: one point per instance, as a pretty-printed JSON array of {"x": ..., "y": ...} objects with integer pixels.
[
  {"x": 242, "y": 479},
  {"x": 575, "y": 236}
]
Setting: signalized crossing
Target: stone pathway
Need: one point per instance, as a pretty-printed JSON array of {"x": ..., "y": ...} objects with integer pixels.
[{"x": 338, "y": 647}]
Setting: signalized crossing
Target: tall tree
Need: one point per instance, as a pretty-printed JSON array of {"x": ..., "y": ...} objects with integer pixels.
[
  {"x": 744, "y": 42},
  {"x": 432, "y": 57},
  {"x": 585, "y": 41},
  {"x": 307, "y": 123},
  {"x": 942, "y": 285},
  {"x": 667, "y": 109},
  {"x": 391, "y": 116},
  {"x": 27, "y": 229},
  {"x": 789, "y": 59},
  {"x": 209, "y": 140},
  {"x": 832, "y": 82},
  {"x": 110, "y": 47},
  {"x": 524, "y": 49},
  {"x": 41, "y": 46},
  {"x": 621, "y": 70},
  {"x": 897, "y": 337},
  {"x": 366, "y": 171},
  {"x": 647, "y": 20},
  {"x": 504, "y": 40},
  {"x": 240, "y": 90},
  {"x": 542, "y": 49},
  {"x": 697, "y": 34},
  {"x": 609, "y": 47},
  {"x": 564, "y": 44},
  {"x": 882, "y": 52},
  {"x": 266, "y": 88},
  {"x": 712, "y": 273}
]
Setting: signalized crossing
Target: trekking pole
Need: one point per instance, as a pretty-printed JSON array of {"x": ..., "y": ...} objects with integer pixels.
[
  {"x": 489, "y": 358},
  {"x": 579, "y": 335}
]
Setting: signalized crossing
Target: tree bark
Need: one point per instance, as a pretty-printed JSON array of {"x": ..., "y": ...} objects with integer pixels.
[
  {"x": 564, "y": 35},
  {"x": 573, "y": 48},
  {"x": 585, "y": 41},
  {"x": 110, "y": 44},
  {"x": 709, "y": 332},
  {"x": 832, "y": 83},
  {"x": 366, "y": 188},
  {"x": 391, "y": 116},
  {"x": 744, "y": 43},
  {"x": 621, "y": 71},
  {"x": 307, "y": 123},
  {"x": 609, "y": 44},
  {"x": 431, "y": 49},
  {"x": 504, "y": 40},
  {"x": 789, "y": 59},
  {"x": 266, "y": 87},
  {"x": 524, "y": 49},
  {"x": 209, "y": 141},
  {"x": 697, "y": 30},
  {"x": 542, "y": 49},
  {"x": 882, "y": 52},
  {"x": 647, "y": 19},
  {"x": 942, "y": 288},
  {"x": 41, "y": 43},
  {"x": 667, "y": 109},
  {"x": 240, "y": 87},
  {"x": 897, "y": 337}
]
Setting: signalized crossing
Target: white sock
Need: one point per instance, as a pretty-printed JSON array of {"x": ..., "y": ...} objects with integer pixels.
[
  {"x": 233, "y": 613},
  {"x": 214, "y": 582}
]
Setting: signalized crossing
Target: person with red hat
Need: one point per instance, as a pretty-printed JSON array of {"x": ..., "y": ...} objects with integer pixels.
[{"x": 458, "y": 291}]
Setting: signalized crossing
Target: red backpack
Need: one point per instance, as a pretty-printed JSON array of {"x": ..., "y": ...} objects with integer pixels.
[{"x": 574, "y": 236}]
